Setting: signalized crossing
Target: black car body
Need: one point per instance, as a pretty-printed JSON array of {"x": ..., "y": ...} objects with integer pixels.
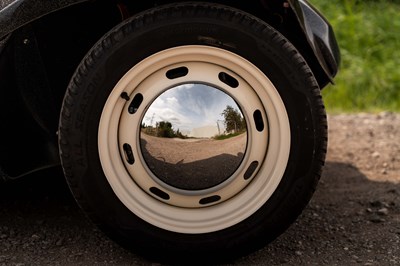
[
  {"x": 42, "y": 42},
  {"x": 78, "y": 78}
]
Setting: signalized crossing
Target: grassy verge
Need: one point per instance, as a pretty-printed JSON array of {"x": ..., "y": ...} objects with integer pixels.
[
  {"x": 368, "y": 32},
  {"x": 227, "y": 136}
]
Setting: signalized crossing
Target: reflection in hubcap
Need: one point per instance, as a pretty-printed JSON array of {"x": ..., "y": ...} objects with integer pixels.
[{"x": 193, "y": 137}]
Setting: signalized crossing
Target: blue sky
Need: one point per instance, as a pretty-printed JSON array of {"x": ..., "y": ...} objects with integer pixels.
[{"x": 189, "y": 106}]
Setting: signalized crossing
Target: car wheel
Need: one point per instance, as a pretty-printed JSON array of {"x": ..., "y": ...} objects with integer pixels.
[{"x": 193, "y": 197}]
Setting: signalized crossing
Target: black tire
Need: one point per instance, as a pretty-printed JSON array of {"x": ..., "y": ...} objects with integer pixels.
[{"x": 225, "y": 30}]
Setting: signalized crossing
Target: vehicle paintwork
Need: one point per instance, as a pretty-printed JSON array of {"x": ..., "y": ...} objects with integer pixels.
[{"x": 317, "y": 43}]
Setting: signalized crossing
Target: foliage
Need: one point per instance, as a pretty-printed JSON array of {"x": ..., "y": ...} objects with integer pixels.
[
  {"x": 368, "y": 33},
  {"x": 233, "y": 119},
  {"x": 227, "y": 136},
  {"x": 163, "y": 129},
  {"x": 179, "y": 134}
]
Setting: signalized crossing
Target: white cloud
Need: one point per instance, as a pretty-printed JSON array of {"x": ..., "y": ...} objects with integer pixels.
[{"x": 189, "y": 106}]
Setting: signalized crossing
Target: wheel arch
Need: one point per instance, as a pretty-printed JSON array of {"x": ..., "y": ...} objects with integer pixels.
[
  {"x": 295, "y": 19},
  {"x": 26, "y": 21}
]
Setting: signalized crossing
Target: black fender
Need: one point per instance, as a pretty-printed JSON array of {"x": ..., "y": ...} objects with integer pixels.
[
  {"x": 316, "y": 29},
  {"x": 16, "y": 13},
  {"x": 319, "y": 35},
  {"x": 32, "y": 97}
]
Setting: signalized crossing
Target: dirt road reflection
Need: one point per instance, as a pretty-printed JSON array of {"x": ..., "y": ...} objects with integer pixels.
[{"x": 193, "y": 164}]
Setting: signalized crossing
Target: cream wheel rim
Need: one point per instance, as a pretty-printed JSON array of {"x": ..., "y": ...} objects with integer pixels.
[{"x": 194, "y": 211}]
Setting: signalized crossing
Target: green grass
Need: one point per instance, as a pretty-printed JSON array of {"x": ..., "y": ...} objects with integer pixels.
[
  {"x": 368, "y": 32},
  {"x": 228, "y": 136}
]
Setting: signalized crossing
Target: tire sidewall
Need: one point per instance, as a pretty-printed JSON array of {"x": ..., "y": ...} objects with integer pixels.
[{"x": 126, "y": 46}]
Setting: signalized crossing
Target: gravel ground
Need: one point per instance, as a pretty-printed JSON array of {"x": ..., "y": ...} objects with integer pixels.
[{"x": 353, "y": 218}]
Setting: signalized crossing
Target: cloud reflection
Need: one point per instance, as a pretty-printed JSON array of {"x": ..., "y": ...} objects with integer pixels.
[{"x": 190, "y": 107}]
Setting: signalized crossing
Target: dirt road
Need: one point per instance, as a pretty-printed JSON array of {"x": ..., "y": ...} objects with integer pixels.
[{"x": 353, "y": 218}]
